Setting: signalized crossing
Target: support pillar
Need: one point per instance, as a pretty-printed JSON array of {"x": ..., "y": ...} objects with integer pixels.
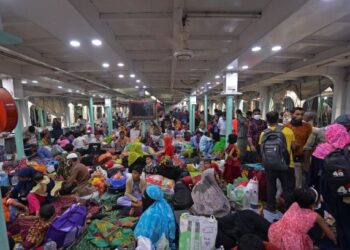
[
  {"x": 206, "y": 110},
  {"x": 19, "y": 132},
  {"x": 229, "y": 113},
  {"x": 192, "y": 106},
  {"x": 3, "y": 231},
  {"x": 108, "y": 109},
  {"x": 264, "y": 101},
  {"x": 91, "y": 114},
  {"x": 41, "y": 117}
]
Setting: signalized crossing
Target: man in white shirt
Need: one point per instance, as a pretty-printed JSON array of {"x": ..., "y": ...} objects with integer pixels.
[
  {"x": 80, "y": 143},
  {"x": 222, "y": 125}
]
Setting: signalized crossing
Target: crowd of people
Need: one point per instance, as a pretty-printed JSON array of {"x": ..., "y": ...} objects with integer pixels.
[{"x": 299, "y": 209}]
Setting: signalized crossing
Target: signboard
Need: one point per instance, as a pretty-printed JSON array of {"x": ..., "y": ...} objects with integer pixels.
[
  {"x": 142, "y": 110},
  {"x": 231, "y": 83}
]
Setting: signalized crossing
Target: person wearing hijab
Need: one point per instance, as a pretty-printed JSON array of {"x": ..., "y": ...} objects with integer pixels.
[
  {"x": 208, "y": 198},
  {"x": 157, "y": 218},
  {"x": 135, "y": 152},
  {"x": 337, "y": 137},
  {"x": 24, "y": 185}
]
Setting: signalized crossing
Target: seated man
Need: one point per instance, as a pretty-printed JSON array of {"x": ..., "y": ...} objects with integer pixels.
[
  {"x": 206, "y": 144},
  {"x": 38, "y": 151}
]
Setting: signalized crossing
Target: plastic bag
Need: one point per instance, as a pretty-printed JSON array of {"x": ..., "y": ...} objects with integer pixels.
[
  {"x": 163, "y": 243},
  {"x": 237, "y": 195},
  {"x": 144, "y": 243},
  {"x": 252, "y": 191}
]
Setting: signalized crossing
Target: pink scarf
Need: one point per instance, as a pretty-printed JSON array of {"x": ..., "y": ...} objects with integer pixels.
[{"x": 336, "y": 138}]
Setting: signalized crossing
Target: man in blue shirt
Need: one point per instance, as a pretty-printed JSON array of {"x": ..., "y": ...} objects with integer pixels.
[{"x": 196, "y": 139}]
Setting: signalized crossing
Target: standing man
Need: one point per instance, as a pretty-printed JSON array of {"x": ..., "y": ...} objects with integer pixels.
[
  {"x": 242, "y": 134},
  {"x": 286, "y": 176},
  {"x": 256, "y": 127},
  {"x": 222, "y": 124},
  {"x": 302, "y": 131}
]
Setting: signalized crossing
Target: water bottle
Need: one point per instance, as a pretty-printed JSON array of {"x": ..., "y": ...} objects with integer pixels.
[{"x": 50, "y": 245}]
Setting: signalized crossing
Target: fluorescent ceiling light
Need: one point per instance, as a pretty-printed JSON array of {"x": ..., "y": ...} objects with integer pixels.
[
  {"x": 24, "y": 81},
  {"x": 96, "y": 42},
  {"x": 208, "y": 83},
  {"x": 138, "y": 80},
  {"x": 132, "y": 76},
  {"x": 229, "y": 67},
  {"x": 154, "y": 98},
  {"x": 147, "y": 93},
  {"x": 105, "y": 65},
  {"x": 120, "y": 64},
  {"x": 245, "y": 67},
  {"x": 59, "y": 87},
  {"x": 276, "y": 48},
  {"x": 121, "y": 76},
  {"x": 256, "y": 49},
  {"x": 74, "y": 43},
  {"x": 217, "y": 77},
  {"x": 35, "y": 81},
  {"x": 136, "y": 87}
]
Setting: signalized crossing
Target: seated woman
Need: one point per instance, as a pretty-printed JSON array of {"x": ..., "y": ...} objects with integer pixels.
[
  {"x": 40, "y": 193},
  {"x": 208, "y": 198},
  {"x": 157, "y": 218},
  {"x": 24, "y": 185}
]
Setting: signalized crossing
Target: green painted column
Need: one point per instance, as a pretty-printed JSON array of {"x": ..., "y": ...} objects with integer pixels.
[
  {"x": 19, "y": 133},
  {"x": 41, "y": 117},
  {"x": 192, "y": 103},
  {"x": 91, "y": 114},
  {"x": 109, "y": 115},
  {"x": 45, "y": 118},
  {"x": 229, "y": 111},
  {"x": 206, "y": 110}
]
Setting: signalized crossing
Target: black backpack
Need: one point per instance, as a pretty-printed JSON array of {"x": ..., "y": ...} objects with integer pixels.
[
  {"x": 275, "y": 155},
  {"x": 337, "y": 171}
]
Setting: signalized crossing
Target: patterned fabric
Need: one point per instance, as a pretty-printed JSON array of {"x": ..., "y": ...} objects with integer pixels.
[
  {"x": 336, "y": 137},
  {"x": 291, "y": 232},
  {"x": 301, "y": 133},
  {"x": 157, "y": 220},
  {"x": 255, "y": 129},
  {"x": 208, "y": 198},
  {"x": 37, "y": 232}
]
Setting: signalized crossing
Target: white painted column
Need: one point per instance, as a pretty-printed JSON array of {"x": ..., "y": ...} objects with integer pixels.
[
  {"x": 264, "y": 100},
  {"x": 340, "y": 92}
]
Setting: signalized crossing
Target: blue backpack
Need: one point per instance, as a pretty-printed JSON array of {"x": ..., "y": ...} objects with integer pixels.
[{"x": 66, "y": 228}]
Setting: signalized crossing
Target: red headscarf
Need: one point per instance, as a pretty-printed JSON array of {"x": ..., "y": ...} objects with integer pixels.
[{"x": 169, "y": 149}]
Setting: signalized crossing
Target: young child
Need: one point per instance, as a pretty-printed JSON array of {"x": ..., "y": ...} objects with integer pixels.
[
  {"x": 151, "y": 167},
  {"x": 38, "y": 195},
  {"x": 232, "y": 164},
  {"x": 291, "y": 232},
  {"x": 134, "y": 188},
  {"x": 36, "y": 233},
  {"x": 10, "y": 205}
]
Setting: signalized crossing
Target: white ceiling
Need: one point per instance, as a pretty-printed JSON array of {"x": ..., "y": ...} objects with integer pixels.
[{"x": 145, "y": 34}]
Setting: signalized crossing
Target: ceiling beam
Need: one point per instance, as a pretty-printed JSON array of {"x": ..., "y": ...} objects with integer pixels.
[
  {"x": 134, "y": 15},
  {"x": 293, "y": 55},
  {"x": 320, "y": 42},
  {"x": 41, "y": 41},
  {"x": 177, "y": 35},
  {"x": 191, "y": 37}
]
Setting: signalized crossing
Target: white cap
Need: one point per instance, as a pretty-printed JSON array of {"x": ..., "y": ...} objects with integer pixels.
[{"x": 72, "y": 156}]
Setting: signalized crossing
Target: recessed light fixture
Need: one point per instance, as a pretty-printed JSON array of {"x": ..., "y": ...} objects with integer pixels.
[
  {"x": 105, "y": 65},
  {"x": 121, "y": 76},
  {"x": 70, "y": 91},
  {"x": 35, "y": 81},
  {"x": 59, "y": 87},
  {"x": 138, "y": 80},
  {"x": 229, "y": 67},
  {"x": 217, "y": 77},
  {"x": 120, "y": 64},
  {"x": 144, "y": 86},
  {"x": 74, "y": 43},
  {"x": 245, "y": 67},
  {"x": 209, "y": 87},
  {"x": 202, "y": 87},
  {"x": 101, "y": 96},
  {"x": 136, "y": 87},
  {"x": 256, "y": 49},
  {"x": 96, "y": 42},
  {"x": 93, "y": 95},
  {"x": 132, "y": 76},
  {"x": 208, "y": 83},
  {"x": 276, "y": 48},
  {"x": 24, "y": 81},
  {"x": 77, "y": 91}
]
